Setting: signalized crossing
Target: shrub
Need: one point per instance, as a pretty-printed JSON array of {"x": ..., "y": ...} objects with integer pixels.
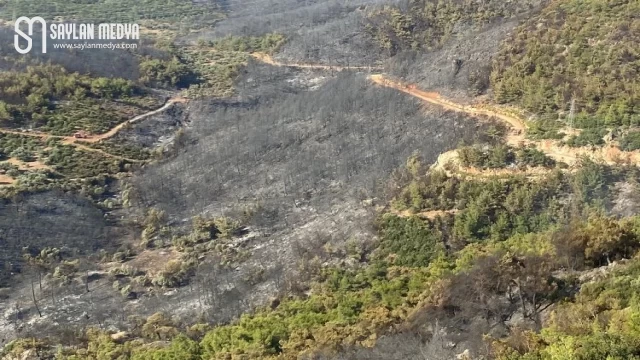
[
  {"x": 159, "y": 327},
  {"x": 588, "y": 137},
  {"x": 174, "y": 273},
  {"x": 125, "y": 270},
  {"x": 66, "y": 270},
  {"x": 408, "y": 241},
  {"x": 23, "y": 154},
  {"x": 530, "y": 156},
  {"x": 631, "y": 141}
]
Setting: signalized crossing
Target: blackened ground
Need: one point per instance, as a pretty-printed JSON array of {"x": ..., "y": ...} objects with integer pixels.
[
  {"x": 321, "y": 31},
  {"x": 53, "y": 219},
  {"x": 304, "y": 160},
  {"x": 461, "y": 67}
]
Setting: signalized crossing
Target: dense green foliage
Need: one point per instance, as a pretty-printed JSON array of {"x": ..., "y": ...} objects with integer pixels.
[
  {"x": 165, "y": 73},
  {"x": 47, "y": 97},
  {"x": 420, "y": 265},
  {"x": 67, "y": 167},
  {"x": 498, "y": 208},
  {"x": 75, "y": 163},
  {"x": 216, "y": 71},
  {"x": 113, "y": 147},
  {"x": 588, "y": 137},
  {"x": 501, "y": 156},
  {"x": 409, "y": 242},
  {"x": 10, "y": 143},
  {"x": 217, "y": 63},
  {"x": 558, "y": 57},
  {"x": 602, "y": 323},
  {"x": 544, "y": 129},
  {"x": 630, "y": 141}
]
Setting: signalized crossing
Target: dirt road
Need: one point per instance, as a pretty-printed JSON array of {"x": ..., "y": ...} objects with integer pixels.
[
  {"x": 81, "y": 143},
  {"x": 609, "y": 154},
  {"x": 433, "y": 97},
  {"x": 116, "y": 129}
]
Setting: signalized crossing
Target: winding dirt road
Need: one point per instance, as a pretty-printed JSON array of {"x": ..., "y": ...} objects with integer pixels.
[
  {"x": 81, "y": 142},
  {"x": 116, "y": 129},
  {"x": 433, "y": 97},
  {"x": 609, "y": 154}
]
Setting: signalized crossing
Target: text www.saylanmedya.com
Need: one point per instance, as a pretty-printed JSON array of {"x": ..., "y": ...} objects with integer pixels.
[{"x": 88, "y": 45}]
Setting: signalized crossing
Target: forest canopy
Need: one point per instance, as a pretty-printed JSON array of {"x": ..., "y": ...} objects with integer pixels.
[{"x": 558, "y": 58}]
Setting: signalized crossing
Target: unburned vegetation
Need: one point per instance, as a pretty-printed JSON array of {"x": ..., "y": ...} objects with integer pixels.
[
  {"x": 46, "y": 97},
  {"x": 293, "y": 212},
  {"x": 555, "y": 59},
  {"x": 470, "y": 279}
]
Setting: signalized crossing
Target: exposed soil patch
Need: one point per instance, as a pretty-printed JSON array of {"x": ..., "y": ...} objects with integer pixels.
[
  {"x": 151, "y": 261},
  {"x": 32, "y": 165},
  {"x": 6, "y": 179}
]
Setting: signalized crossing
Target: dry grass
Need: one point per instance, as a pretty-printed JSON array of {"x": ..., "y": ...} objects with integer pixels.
[{"x": 152, "y": 261}]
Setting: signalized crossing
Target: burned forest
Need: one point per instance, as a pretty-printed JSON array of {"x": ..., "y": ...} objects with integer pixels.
[{"x": 321, "y": 179}]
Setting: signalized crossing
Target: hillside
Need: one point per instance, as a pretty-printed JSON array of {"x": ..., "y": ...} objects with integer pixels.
[
  {"x": 371, "y": 179},
  {"x": 556, "y": 58}
]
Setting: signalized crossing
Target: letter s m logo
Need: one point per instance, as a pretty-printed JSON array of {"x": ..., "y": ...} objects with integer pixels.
[{"x": 19, "y": 32}]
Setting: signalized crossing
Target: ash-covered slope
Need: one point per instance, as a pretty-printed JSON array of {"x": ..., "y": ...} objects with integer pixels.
[{"x": 303, "y": 160}]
